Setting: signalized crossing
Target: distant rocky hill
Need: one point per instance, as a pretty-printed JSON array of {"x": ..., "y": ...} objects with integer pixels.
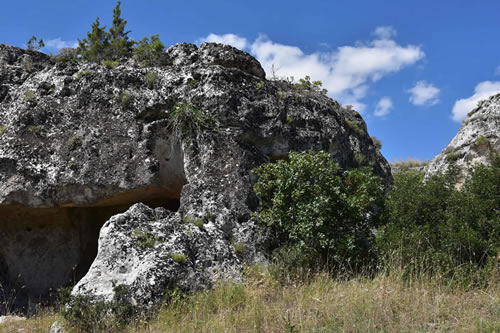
[
  {"x": 478, "y": 136},
  {"x": 141, "y": 176}
]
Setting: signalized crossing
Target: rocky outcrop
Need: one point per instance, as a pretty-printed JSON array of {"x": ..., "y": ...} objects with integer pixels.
[
  {"x": 82, "y": 144},
  {"x": 478, "y": 137}
]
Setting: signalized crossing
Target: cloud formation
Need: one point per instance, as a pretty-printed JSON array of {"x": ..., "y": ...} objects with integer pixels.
[
  {"x": 482, "y": 91},
  {"x": 383, "y": 107},
  {"x": 347, "y": 72},
  {"x": 57, "y": 44},
  {"x": 424, "y": 93},
  {"x": 229, "y": 39}
]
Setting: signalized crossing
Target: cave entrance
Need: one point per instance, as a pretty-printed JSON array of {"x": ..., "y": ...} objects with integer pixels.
[{"x": 43, "y": 249}]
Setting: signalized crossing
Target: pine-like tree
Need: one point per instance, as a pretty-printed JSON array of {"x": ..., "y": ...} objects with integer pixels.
[
  {"x": 120, "y": 46},
  {"x": 32, "y": 44},
  {"x": 95, "y": 46}
]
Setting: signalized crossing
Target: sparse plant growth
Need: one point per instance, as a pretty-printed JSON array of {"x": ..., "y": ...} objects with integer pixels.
[
  {"x": 124, "y": 98},
  {"x": 199, "y": 223},
  {"x": 144, "y": 239},
  {"x": 185, "y": 119},
  {"x": 35, "y": 129},
  {"x": 29, "y": 96},
  {"x": 82, "y": 73},
  {"x": 151, "y": 80},
  {"x": 67, "y": 54},
  {"x": 289, "y": 119},
  {"x": 452, "y": 157},
  {"x": 376, "y": 142},
  {"x": 239, "y": 248},
  {"x": 75, "y": 140},
  {"x": 306, "y": 84},
  {"x": 72, "y": 165},
  {"x": 194, "y": 83},
  {"x": 482, "y": 140},
  {"x": 259, "y": 85},
  {"x": 408, "y": 163},
  {"x": 110, "y": 64},
  {"x": 178, "y": 257},
  {"x": 3, "y": 128},
  {"x": 354, "y": 126},
  {"x": 34, "y": 45}
]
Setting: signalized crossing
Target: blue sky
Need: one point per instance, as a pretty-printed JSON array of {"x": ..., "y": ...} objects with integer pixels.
[{"x": 413, "y": 68}]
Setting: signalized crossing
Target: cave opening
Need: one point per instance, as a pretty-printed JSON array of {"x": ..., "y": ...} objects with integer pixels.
[{"x": 44, "y": 249}]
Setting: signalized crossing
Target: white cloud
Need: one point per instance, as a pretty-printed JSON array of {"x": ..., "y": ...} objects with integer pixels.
[
  {"x": 482, "y": 91},
  {"x": 383, "y": 107},
  {"x": 385, "y": 32},
  {"x": 57, "y": 44},
  {"x": 424, "y": 93},
  {"x": 346, "y": 72},
  {"x": 229, "y": 39}
]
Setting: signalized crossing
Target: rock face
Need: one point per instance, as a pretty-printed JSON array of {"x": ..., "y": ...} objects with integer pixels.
[
  {"x": 163, "y": 154},
  {"x": 478, "y": 136}
]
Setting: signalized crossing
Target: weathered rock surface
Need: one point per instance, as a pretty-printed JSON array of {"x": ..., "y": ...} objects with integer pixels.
[
  {"x": 80, "y": 143},
  {"x": 478, "y": 136}
]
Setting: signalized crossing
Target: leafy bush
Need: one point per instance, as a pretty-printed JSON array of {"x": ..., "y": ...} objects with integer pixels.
[
  {"x": 3, "y": 128},
  {"x": 144, "y": 239},
  {"x": 149, "y": 51},
  {"x": 318, "y": 212},
  {"x": 110, "y": 64},
  {"x": 376, "y": 142},
  {"x": 67, "y": 54},
  {"x": 434, "y": 228},
  {"x": 178, "y": 257},
  {"x": 151, "y": 80},
  {"x": 306, "y": 84},
  {"x": 354, "y": 126}
]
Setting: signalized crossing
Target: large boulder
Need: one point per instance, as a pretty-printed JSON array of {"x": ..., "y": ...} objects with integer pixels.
[
  {"x": 81, "y": 143},
  {"x": 478, "y": 137}
]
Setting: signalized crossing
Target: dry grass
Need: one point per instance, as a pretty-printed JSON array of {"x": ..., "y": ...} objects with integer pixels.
[{"x": 323, "y": 304}]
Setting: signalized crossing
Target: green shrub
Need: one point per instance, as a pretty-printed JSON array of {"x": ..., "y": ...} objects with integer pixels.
[
  {"x": 3, "y": 128},
  {"x": 313, "y": 208},
  {"x": 354, "y": 126},
  {"x": 452, "y": 157},
  {"x": 239, "y": 248},
  {"x": 149, "y": 51},
  {"x": 74, "y": 141},
  {"x": 376, "y": 142},
  {"x": 144, "y": 239},
  {"x": 434, "y": 228},
  {"x": 259, "y": 85},
  {"x": 185, "y": 119},
  {"x": 82, "y": 73},
  {"x": 29, "y": 96},
  {"x": 35, "y": 129},
  {"x": 66, "y": 54},
  {"x": 110, "y": 64},
  {"x": 151, "y": 80},
  {"x": 178, "y": 257},
  {"x": 482, "y": 140}
]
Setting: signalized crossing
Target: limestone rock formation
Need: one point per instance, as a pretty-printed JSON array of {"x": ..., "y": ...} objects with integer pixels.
[
  {"x": 478, "y": 136},
  {"x": 163, "y": 154}
]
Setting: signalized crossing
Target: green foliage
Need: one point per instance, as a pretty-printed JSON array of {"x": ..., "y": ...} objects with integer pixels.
[
  {"x": 35, "y": 129},
  {"x": 95, "y": 47},
  {"x": 313, "y": 208},
  {"x": 124, "y": 98},
  {"x": 29, "y": 96},
  {"x": 452, "y": 157},
  {"x": 67, "y": 54},
  {"x": 194, "y": 83},
  {"x": 239, "y": 248},
  {"x": 482, "y": 140},
  {"x": 151, "y": 80},
  {"x": 144, "y": 239},
  {"x": 119, "y": 44},
  {"x": 3, "y": 128},
  {"x": 354, "y": 126},
  {"x": 306, "y": 84},
  {"x": 74, "y": 141},
  {"x": 199, "y": 223},
  {"x": 186, "y": 119},
  {"x": 93, "y": 315},
  {"x": 178, "y": 257},
  {"x": 82, "y": 73},
  {"x": 434, "y": 228},
  {"x": 110, "y": 64},
  {"x": 33, "y": 45},
  {"x": 259, "y": 85},
  {"x": 149, "y": 51}
]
